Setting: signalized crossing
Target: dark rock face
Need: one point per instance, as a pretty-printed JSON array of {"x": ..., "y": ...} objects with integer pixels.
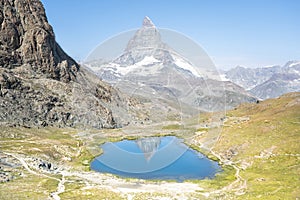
[
  {"x": 40, "y": 85},
  {"x": 27, "y": 38}
]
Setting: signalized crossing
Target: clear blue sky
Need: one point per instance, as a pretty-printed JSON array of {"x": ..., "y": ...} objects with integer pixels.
[{"x": 250, "y": 33}]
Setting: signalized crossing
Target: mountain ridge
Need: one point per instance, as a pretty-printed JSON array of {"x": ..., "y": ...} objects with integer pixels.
[
  {"x": 267, "y": 82},
  {"x": 28, "y": 38},
  {"x": 158, "y": 71},
  {"x": 40, "y": 85}
]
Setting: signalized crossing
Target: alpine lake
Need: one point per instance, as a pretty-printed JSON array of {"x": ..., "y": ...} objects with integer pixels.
[{"x": 154, "y": 158}]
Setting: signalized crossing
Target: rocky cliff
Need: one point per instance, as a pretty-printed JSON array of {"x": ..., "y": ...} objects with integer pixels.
[
  {"x": 40, "y": 85},
  {"x": 27, "y": 38}
]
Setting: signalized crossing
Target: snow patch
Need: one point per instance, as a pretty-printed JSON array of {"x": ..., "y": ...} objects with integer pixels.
[
  {"x": 185, "y": 65},
  {"x": 268, "y": 66},
  {"x": 148, "y": 60},
  {"x": 223, "y": 77},
  {"x": 293, "y": 64}
]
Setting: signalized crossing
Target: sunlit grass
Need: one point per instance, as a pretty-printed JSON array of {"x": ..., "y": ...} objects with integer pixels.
[
  {"x": 265, "y": 136},
  {"x": 27, "y": 187},
  {"x": 265, "y": 142}
]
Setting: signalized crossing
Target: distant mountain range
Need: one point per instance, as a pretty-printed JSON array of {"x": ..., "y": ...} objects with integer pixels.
[
  {"x": 267, "y": 82},
  {"x": 151, "y": 69}
]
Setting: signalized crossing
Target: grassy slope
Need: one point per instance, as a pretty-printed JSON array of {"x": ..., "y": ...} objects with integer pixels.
[
  {"x": 268, "y": 142},
  {"x": 265, "y": 137},
  {"x": 49, "y": 144}
]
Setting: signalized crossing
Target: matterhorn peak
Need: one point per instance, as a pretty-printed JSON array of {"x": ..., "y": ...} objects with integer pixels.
[
  {"x": 147, "y": 22},
  {"x": 146, "y": 37}
]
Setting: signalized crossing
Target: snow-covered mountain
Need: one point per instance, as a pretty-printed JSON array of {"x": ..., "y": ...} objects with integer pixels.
[
  {"x": 150, "y": 68},
  {"x": 145, "y": 54},
  {"x": 267, "y": 82}
]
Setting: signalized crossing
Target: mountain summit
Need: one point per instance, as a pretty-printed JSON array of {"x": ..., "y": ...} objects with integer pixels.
[
  {"x": 146, "y": 38},
  {"x": 148, "y": 23},
  {"x": 150, "y": 68}
]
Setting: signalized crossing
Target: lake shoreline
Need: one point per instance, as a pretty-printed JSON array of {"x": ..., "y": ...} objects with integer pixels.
[{"x": 165, "y": 158}]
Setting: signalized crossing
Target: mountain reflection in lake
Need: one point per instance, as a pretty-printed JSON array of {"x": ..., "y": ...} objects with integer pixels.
[
  {"x": 149, "y": 146},
  {"x": 162, "y": 158}
]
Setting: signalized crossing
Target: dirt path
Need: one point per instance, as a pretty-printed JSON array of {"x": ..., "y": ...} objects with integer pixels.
[
  {"x": 60, "y": 186},
  {"x": 126, "y": 187},
  {"x": 238, "y": 186},
  {"x": 131, "y": 187},
  {"x": 60, "y": 189}
]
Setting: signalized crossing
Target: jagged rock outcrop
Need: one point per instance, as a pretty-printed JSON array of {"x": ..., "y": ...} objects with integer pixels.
[
  {"x": 146, "y": 38},
  {"x": 41, "y": 85},
  {"x": 27, "y": 38}
]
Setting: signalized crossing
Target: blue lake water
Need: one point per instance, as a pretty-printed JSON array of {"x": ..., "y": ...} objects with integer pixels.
[{"x": 163, "y": 158}]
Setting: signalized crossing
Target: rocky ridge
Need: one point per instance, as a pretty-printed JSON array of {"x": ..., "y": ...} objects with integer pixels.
[
  {"x": 267, "y": 82},
  {"x": 40, "y": 85},
  {"x": 27, "y": 38}
]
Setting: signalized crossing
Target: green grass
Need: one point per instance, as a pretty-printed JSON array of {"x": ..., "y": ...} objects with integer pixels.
[
  {"x": 202, "y": 129},
  {"x": 173, "y": 127},
  {"x": 78, "y": 192},
  {"x": 29, "y": 187},
  {"x": 275, "y": 177},
  {"x": 220, "y": 180},
  {"x": 273, "y": 125},
  {"x": 48, "y": 143}
]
